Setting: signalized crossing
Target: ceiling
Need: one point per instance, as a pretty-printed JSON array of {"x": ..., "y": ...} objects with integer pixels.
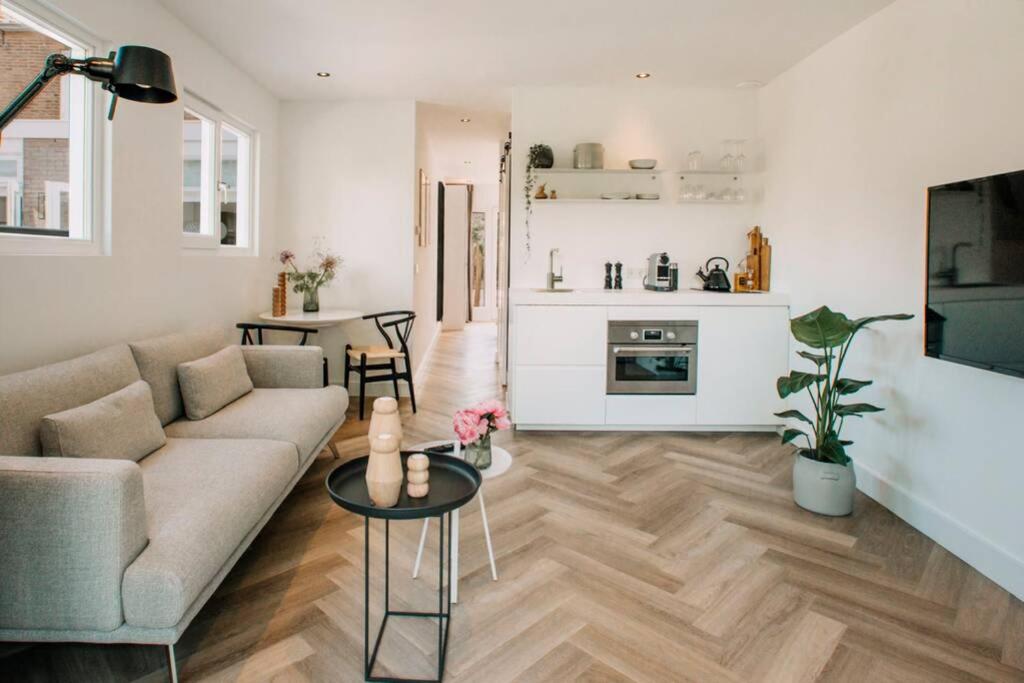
[{"x": 472, "y": 52}]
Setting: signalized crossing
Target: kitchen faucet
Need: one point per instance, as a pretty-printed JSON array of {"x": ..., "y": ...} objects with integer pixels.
[{"x": 552, "y": 278}]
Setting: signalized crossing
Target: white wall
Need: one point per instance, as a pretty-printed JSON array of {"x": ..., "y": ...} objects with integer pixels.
[
  {"x": 641, "y": 121},
  {"x": 924, "y": 92},
  {"x": 55, "y": 307},
  {"x": 348, "y": 176}
]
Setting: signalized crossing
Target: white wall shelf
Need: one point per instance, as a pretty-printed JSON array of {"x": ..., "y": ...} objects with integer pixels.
[
  {"x": 599, "y": 171},
  {"x": 712, "y": 201},
  {"x": 592, "y": 200},
  {"x": 713, "y": 172}
]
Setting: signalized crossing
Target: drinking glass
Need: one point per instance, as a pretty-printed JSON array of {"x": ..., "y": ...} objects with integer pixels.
[
  {"x": 741, "y": 194},
  {"x": 728, "y": 161},
  {"x": 698, "y": 192},
  {"x": 726, "y": 195},
  {"x": 741, "y": 158},
  {"x": 687, "y": 192},
  {"x": 694, "y": 160}
]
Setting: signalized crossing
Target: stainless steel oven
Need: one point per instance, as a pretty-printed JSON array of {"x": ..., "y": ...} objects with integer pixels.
[{"x": 652, "y": 357}]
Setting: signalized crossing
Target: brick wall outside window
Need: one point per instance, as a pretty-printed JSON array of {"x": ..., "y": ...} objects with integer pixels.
[{"x": 22, "y": 55}]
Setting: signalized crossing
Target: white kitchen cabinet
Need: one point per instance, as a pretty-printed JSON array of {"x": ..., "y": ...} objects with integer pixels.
[
  {"x": 741, "y": 352},
  {"x": 561, "y": 335},
  {"x": 562, "y": 395},
  {"x": 632, "y": 409}
]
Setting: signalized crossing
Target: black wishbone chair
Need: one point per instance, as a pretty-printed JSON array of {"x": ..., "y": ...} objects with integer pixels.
[
  {"x": 248, "y": 328},
  {"x": 356, "y": 357}
]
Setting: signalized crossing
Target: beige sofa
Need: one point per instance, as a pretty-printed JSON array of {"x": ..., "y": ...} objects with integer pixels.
[{"x": 117, "y": 551}]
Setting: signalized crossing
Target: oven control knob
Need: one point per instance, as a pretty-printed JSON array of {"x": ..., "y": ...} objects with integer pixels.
[
  {"x": 634, "y": 335},
  {"x": 670, "y": 335}
]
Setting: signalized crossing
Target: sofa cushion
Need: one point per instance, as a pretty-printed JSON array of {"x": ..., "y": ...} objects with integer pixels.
[
  {"x": 120, "y": 425},
  {"x": 202, "y": 498},
  {"x": 26, "y": 397},
  {"x": 158, "y": 361},
  {"x": 300, "y": 416},
  {"x": 208, "y": 384}
]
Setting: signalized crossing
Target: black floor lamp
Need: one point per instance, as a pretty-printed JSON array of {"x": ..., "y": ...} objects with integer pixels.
[{"x": 138, "y": 73}]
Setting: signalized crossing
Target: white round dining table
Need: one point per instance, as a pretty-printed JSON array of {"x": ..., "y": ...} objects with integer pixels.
[{"x": 325, "y": 317}]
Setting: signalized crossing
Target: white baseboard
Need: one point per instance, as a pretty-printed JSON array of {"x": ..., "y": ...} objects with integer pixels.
[{"x": 994, "y": 562}]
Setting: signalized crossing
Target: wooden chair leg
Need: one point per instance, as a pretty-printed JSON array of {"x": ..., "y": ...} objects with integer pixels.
[
  {"x": 362, "y": 385},
  {"x": 394, "y": 377}
]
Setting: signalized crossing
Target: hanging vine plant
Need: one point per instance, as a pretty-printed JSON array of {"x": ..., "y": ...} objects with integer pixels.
[{"x": 540, "y": 156}]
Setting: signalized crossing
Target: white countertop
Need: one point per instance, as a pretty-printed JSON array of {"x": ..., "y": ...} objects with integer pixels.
[{"x": 644, "y": 297}]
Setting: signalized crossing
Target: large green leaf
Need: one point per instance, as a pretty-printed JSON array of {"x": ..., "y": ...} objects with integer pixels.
[
  {"x": 790, "y": 434},
  {"x": 864, "y": 322},
  {"x": 851, "y": 386},
  {"x": 832, "y": 449},
  {"x": 818, "y": 359},
  {"x": 855, "y": 409},
  {"x": 821, "y": 328},
  {"x": 796, "y": 382},
  {"x": 796, "y": 415}
]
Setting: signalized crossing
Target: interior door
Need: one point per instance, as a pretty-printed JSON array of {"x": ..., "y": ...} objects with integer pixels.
[{"x": 456, "y": 257}]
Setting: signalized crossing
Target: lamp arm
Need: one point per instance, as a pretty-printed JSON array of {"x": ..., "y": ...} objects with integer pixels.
[{"x": 56, "y": 65}]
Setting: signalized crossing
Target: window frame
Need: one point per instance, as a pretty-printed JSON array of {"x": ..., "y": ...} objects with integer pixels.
[
  {"x": 246, "y": 241},
  {"x": 88, "y": 157}
]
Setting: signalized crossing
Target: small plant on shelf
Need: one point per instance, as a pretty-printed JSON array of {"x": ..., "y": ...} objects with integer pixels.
[{"x": 540, "y": 156}]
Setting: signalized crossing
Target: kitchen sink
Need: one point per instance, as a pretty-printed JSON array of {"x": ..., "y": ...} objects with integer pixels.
[{"x": 556, "y": 290}]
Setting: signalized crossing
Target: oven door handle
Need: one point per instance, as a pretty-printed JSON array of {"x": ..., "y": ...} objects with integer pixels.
[{"x": 637, "y": 351}]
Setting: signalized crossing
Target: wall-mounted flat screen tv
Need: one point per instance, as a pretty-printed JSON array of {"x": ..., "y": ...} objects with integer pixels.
[{"x": 975, "y": 312}]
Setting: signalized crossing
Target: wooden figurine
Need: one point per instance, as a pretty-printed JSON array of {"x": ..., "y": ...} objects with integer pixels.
[
  {"x": 418, "y": 476},
  {"x": 554, "y": 194},
  {"x": 384, "y": 471},
  {"x": 541, "y": 194},
  {"x": 278, "y": 307},
  {"x": 385, "y": 419}
]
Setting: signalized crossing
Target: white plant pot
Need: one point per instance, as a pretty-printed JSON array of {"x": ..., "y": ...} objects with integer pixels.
[{"x": 823, "y": 487}]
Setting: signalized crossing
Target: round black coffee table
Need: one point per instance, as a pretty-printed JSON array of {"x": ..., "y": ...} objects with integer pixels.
[{"x": 453, "y": 483}]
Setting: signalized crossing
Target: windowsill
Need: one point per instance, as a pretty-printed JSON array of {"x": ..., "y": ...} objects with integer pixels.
[{"x": 38, "y": 245}]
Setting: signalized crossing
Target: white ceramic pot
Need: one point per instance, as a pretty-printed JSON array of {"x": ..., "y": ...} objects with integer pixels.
[{"x": 823, "y": 487}]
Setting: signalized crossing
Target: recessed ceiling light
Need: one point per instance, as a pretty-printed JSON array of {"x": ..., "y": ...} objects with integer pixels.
[
  {"x": 464, "y": 120},
  {"x": 643, "y": 74},
  {"x": 749, "y": 84},
  {"x": 323, "y": 74},
  {"x": 467, "y": 162}
]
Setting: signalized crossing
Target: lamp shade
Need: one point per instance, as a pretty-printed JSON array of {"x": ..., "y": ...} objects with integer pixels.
[{"x": 143, "y": 74}]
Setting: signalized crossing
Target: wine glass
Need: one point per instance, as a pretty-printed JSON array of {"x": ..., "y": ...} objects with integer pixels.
[{"x": 694, "y": 160}]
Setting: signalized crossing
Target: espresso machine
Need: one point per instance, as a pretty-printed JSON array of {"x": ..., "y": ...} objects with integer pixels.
[{"x": 662, "y": 276}]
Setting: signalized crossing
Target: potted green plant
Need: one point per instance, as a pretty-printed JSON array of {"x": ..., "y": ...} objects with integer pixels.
[
  {"x": 539, "y": 156},
  {"x": 823, "y": 477}
]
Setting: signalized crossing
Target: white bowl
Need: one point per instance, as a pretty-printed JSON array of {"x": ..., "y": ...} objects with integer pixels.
[
  {"x": 643, "y": 164},
  {"x": 617, "y": 195}
]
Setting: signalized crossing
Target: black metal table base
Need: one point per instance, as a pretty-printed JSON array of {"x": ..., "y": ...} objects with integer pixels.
[{"x": 443, "y": 613}]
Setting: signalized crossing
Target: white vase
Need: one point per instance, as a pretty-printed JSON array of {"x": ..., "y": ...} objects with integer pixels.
[{"x": 823, "y": 487}]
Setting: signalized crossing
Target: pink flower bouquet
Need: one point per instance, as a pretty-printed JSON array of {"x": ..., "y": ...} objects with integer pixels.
[
  {"x": 474, "y": 427},
  {"x": 479, "y": 422}
]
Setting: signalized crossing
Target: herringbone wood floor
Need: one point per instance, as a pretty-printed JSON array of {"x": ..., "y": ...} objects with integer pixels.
[{"x": 622, "y": 557}]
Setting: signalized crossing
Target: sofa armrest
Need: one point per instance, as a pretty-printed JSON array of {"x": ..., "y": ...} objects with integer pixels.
[
  {"x": 285, "y": 367},
  {"x": 69, "y": 528}
]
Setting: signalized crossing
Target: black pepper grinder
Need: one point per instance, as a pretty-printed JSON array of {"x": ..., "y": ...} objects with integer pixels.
[
  {"x": 618, "y": 275},
  {"x": 608, "y": 275}
]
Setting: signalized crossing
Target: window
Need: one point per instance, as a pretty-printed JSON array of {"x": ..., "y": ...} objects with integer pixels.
[
  {"x": 217, "y": 179},
  {"x": 49, "y": 177}
]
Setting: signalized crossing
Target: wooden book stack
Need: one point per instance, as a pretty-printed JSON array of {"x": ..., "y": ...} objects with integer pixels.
[
  {"x": 756, "y": 274},
  {"x": 280, "y": 296}
]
